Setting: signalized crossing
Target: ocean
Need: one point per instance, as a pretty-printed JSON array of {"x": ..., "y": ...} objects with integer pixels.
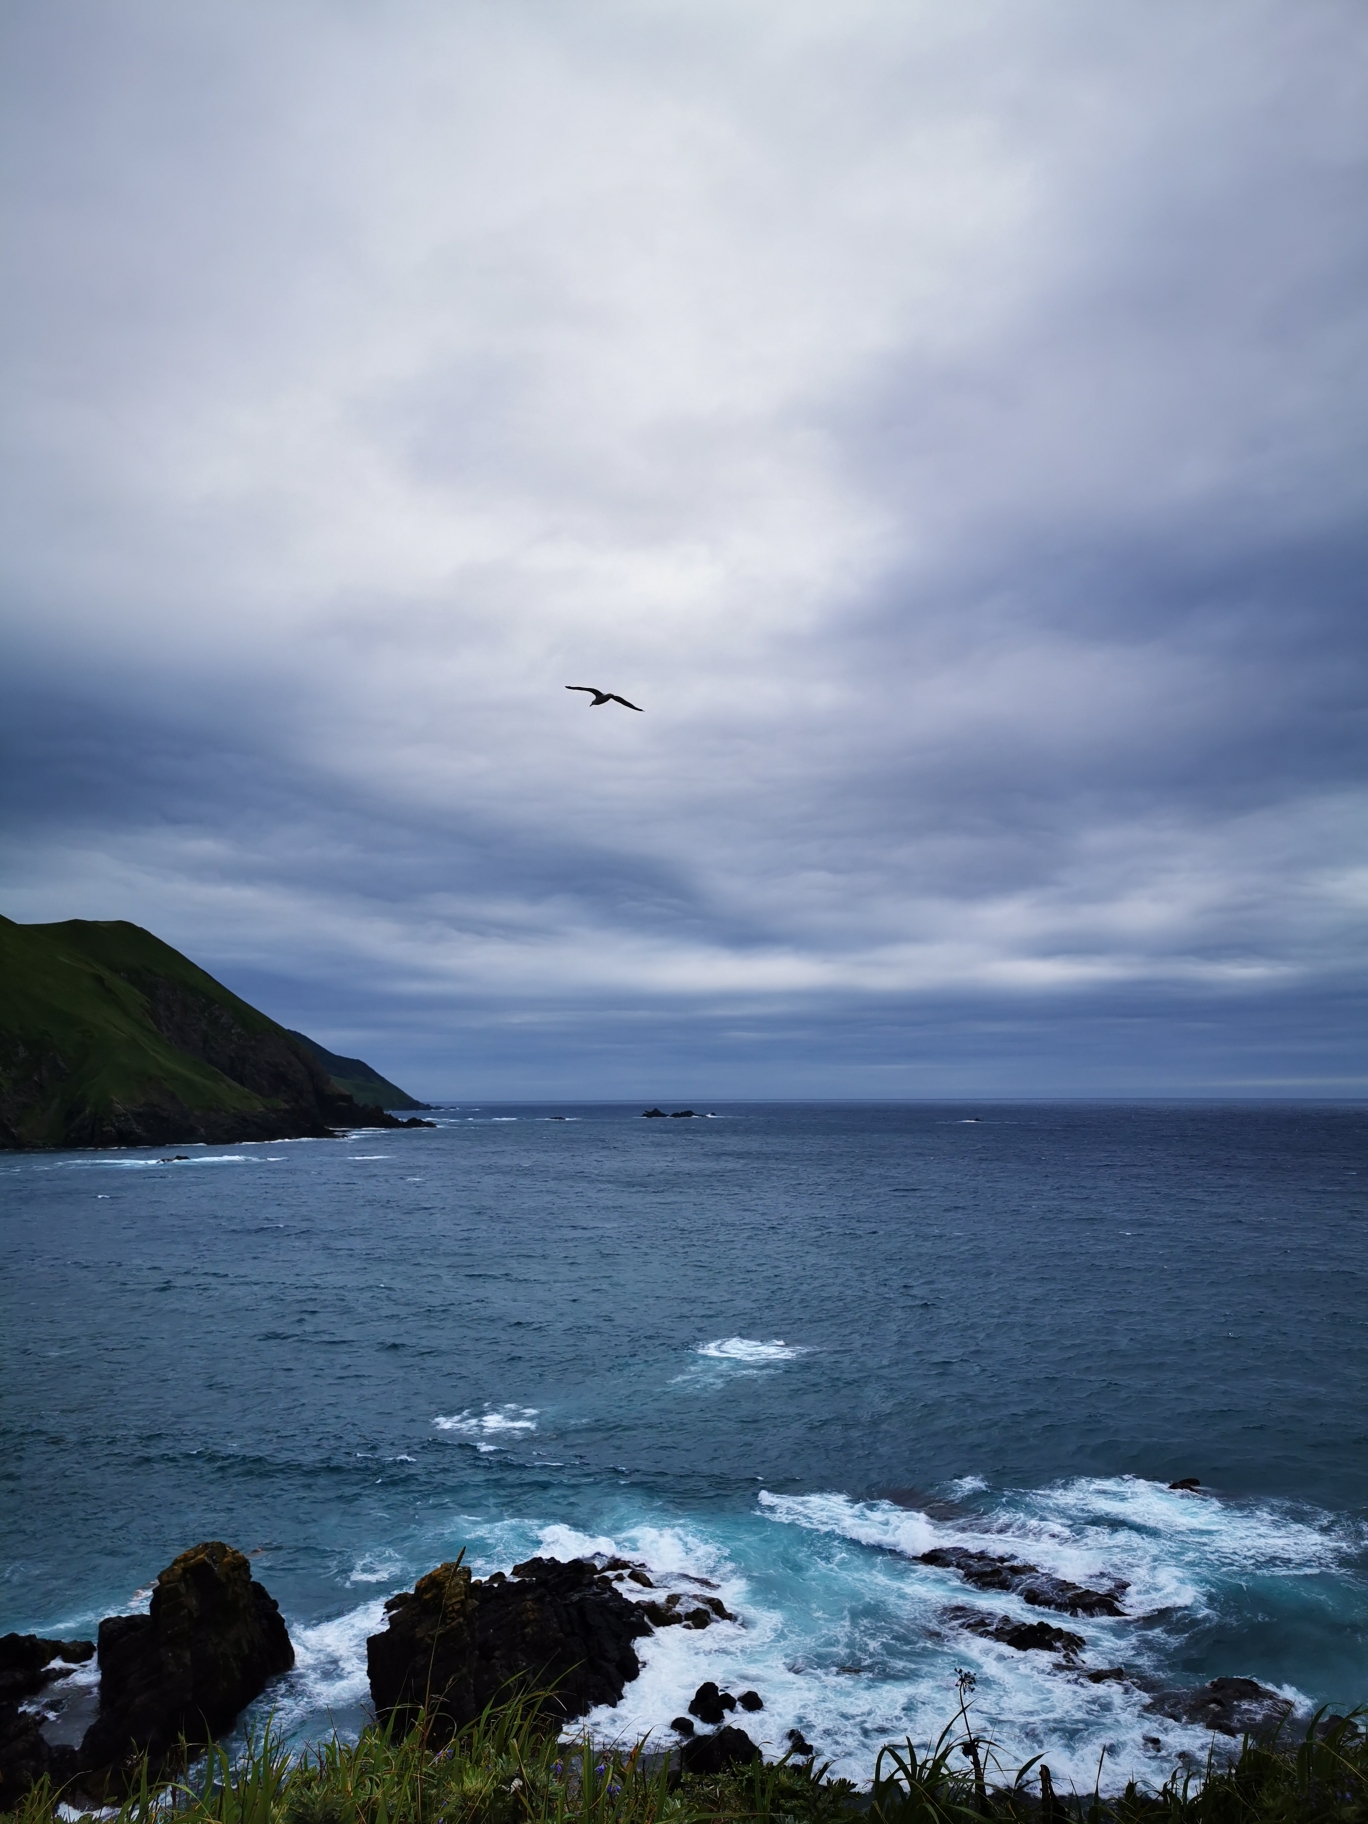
[{"x": 787, "y": 1348}]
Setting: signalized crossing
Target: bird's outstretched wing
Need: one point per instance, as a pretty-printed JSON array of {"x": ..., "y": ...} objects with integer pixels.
[{"x": 605, "y": 696}]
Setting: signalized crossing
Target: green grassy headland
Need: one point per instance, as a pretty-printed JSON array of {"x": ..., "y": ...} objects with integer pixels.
[
  {"x": 357, "y": 1077},
  {"x": 110, "y": 1037}
]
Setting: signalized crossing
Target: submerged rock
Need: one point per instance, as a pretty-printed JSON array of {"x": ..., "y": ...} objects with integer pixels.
[
  {"x": 1230, "y": 1706},
  {"x": 1040, "y": 1588},
  {"x": 211, "y": 1640},
  {"x": 455, "y": 1643}
]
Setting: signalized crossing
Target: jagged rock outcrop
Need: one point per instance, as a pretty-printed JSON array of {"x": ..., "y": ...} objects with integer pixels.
[
  {"x": 1040, "y": 1588},
  {"x": 28, "y": 1663},
  {"x": 211, "y": 1640},
  {"x": 455, "y": 1642}
]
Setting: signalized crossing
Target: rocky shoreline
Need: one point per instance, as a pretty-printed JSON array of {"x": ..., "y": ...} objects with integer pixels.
[{"x": 560, "y": 1636}]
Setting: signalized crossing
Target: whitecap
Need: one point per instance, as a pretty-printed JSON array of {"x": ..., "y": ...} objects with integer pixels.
[
  {"x": 509, "y": 1420},
  {"x": 748, "y": 1351}
]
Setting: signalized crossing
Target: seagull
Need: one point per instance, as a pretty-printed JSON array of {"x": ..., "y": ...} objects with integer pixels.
[{"x": 605, "y": 696}]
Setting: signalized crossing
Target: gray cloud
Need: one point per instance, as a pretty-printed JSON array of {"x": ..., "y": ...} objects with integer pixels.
[{"x": 951, "y": 427}]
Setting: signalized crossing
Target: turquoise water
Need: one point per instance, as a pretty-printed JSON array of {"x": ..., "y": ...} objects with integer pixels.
[{"x": 789, "y": 1348}]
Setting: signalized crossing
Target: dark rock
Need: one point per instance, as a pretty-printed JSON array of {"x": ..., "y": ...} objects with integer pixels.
[
  {"x": 636, "y": 1576},
  {"x": 751, "y": 1700},
  {"x": 698, "y": 1618},
  {"x": 1039, "y": 1588},
  {"x": 455, "y": 1643},
  {"x": 1025, "y": 1636},
  {"x": 683, "y": 1114},
  {"x": 682, "y": 1725},
  {"x": 660, "y": 1615},
  {"x": 799, "y": 1746},
  {"x": 710, "y": 1754},
  {"x": 1108, "y": 1675},
  {"x": 1230, "y": 1706},
  {"x": 706, "y": 1704},
  {"x": 653, "y": 1114},
  {"x": 26, "y": 1757},
  {"x": 718, "y": 1607},
  {"x": 1187, "y": 1484},
  {"x": 27, "y": 1663},
  {"x": 211, "y": 1640}
]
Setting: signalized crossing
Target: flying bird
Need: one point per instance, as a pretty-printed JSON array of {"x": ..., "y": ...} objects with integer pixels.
[{"x": 605, "y": 696}]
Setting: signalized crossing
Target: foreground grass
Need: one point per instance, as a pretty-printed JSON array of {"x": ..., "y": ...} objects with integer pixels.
[{"x": 503, "y": 1770}]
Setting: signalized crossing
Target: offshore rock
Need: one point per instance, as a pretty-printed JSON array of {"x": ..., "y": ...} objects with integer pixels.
[
  {"x": 709, "y": 1704},
  {"x": 212, "y": 1639},
  {"x": 455, "y": 1643},
  {"x": 709, "y": 1754},
  {"x": 1041, "y": 1589},
  {"x": 1025, "y": 1636},
  {"x": 1230, "y": 1706}
]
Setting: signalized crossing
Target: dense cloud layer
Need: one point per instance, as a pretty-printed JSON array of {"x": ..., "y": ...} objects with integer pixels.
[{"x": 949, "y": 424}]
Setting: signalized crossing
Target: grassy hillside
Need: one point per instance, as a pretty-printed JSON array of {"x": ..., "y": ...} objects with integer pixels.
[
  {"x": 357, "y": 1077},
  {"x": 108, "y": 1036}
]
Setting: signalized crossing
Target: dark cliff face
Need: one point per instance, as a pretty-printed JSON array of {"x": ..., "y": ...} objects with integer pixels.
[{"x": 108, "y": 1037}]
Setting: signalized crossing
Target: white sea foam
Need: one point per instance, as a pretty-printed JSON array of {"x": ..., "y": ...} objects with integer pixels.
[
  {"x": 329, "y": 1676},
  {"x": 748, "y": 1351},
  {"x": 855, "y": 1648},
  {"x": 1178, "y": 1553},
  {"x": 876, "y": 1523},
  {"x": 493, "y": 1422}
]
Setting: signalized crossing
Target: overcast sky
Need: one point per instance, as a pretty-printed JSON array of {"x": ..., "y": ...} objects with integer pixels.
[{"x": 948, "y": 423}]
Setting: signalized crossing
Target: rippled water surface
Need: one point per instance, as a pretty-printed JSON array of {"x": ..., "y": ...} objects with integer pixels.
[{"x": 790, "y": 1348}]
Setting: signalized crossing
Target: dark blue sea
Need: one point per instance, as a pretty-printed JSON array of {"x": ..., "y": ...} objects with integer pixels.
[{"x": 789, "y": 1349}]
